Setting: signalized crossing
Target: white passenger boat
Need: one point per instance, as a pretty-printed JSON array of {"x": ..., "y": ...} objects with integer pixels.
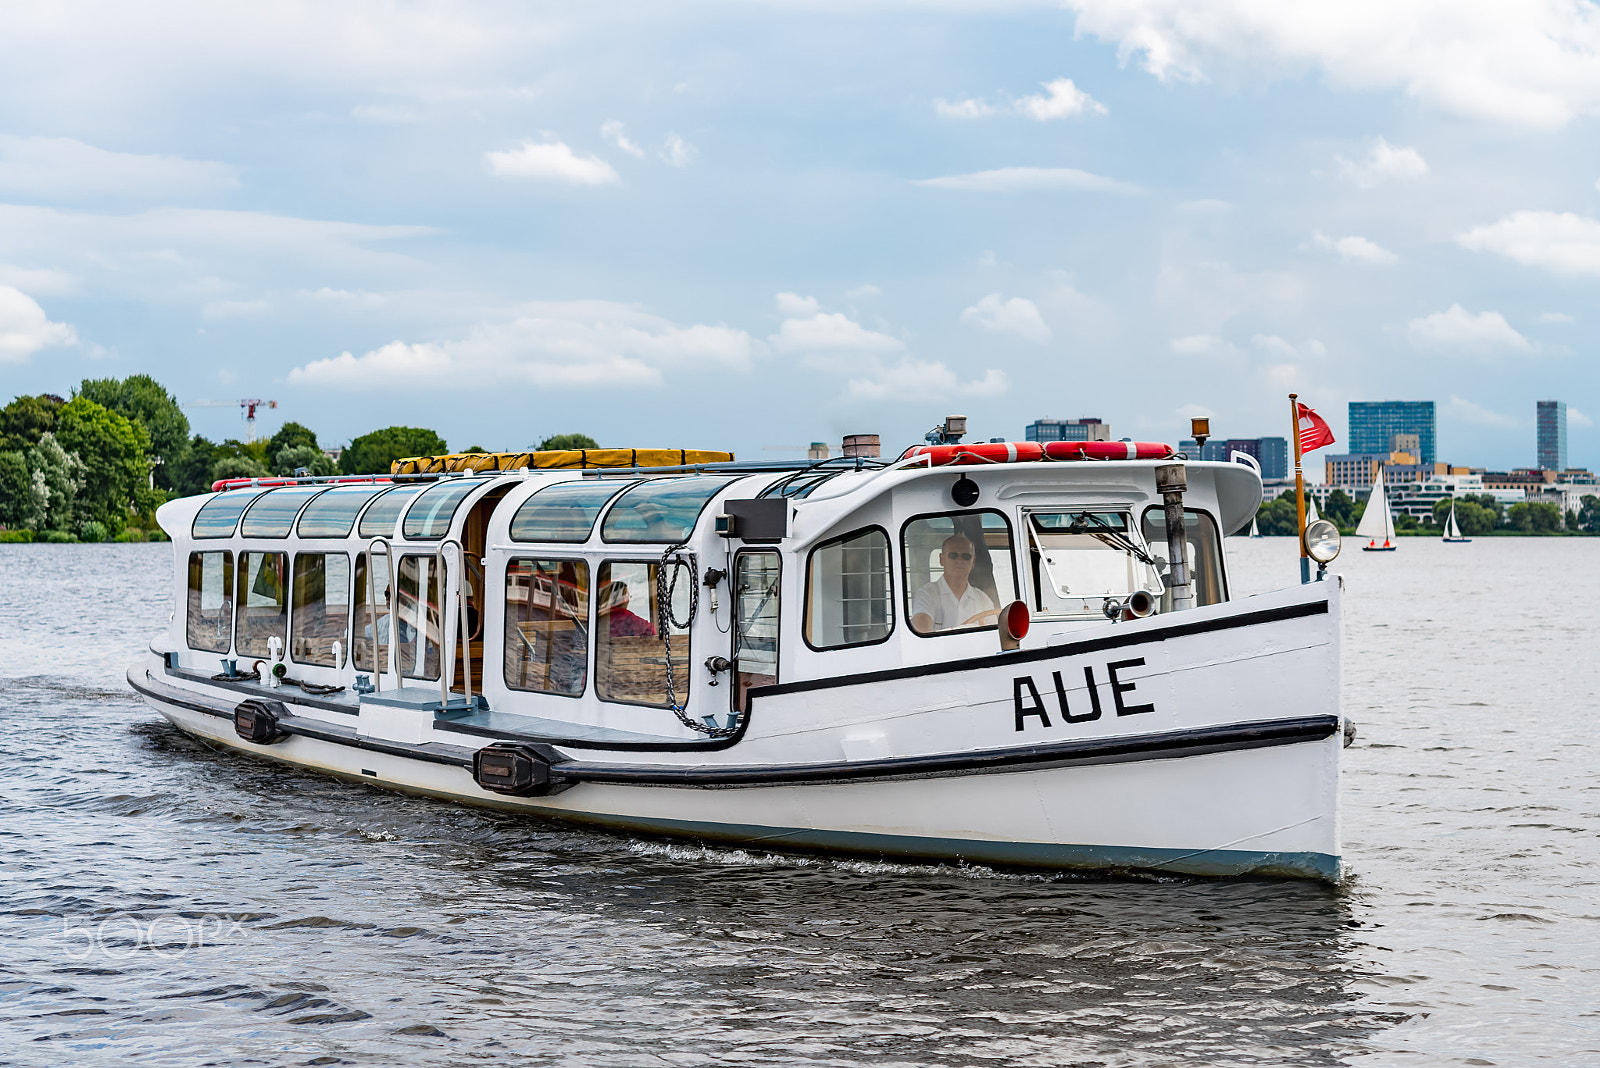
[{"x": 1005, "y": 653}]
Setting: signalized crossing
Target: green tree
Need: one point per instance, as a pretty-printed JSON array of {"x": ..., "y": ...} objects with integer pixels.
[
  {"x": 291, "y": 436},
  {"x": 192, "y": 474},
  {"x": 1488, "y": 502},
  {"x": 1279, "y": 516},
  {"x": 58, "y": 480},
  {"x": 26, "y": 419},
  {"x": 568, "y": 441},
  {"x": 374, "y": 453},
  {"x": 1534, "y": 517},
  {"x": 236, "y": 466},
  {"x": 146, "y": 402},
  {"x": 474, "y": 448},
  {"x": 1473, "y": 518},
  {"x": 1589, "y": 514},
  {"x": 16, "y": 481},
  {"x": 1340, "y": 509},
  {"x": 292, "y": 458},
  {"x": 115, "y": 453}
]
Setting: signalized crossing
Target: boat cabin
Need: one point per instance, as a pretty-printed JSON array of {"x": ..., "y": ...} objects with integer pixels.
[{"x": 651, "y": 602}]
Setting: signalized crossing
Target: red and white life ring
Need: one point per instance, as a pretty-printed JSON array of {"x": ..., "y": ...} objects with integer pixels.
[
  {"x": 1107, "y": 450},
  {"x": 979, "y": 452},
  {"x": 1011, "y": 452}
]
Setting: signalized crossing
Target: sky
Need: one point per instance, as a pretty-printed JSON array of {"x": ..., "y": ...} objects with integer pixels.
[{"x": 751, "y": 226}]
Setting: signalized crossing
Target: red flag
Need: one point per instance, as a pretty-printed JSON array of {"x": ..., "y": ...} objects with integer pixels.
[{"x": 1314, "y": 430}]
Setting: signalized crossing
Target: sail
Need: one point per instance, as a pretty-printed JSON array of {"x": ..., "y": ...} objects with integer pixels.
[
  {"x": 1451, "y": 531},
  {"x": 1255, "y": 528},
  {"x": 1377, "y": 524},
  {"x": 1311, "y": 511}
]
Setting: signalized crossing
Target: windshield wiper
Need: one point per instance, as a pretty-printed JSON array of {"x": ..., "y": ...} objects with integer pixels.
[{"x": 1108, "y": 535}]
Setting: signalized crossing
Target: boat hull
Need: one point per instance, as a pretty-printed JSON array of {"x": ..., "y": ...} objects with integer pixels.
[{"x": 1212, "y": 748}]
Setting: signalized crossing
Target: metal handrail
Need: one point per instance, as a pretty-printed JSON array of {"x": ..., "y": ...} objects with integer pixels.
[
  {"x": 388, "y": 605},
  {"x": 447, "y": 647}
]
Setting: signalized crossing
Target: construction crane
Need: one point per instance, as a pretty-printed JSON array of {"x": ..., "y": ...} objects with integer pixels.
[{"x": 249, "y": 404}]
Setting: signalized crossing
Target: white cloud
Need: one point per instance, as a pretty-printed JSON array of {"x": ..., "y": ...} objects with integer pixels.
[
  {"x": 612, "y": 131},
  {"x": 1468, "y": 412},
  {"x": 59, "y": 168},
  {"x": 1384, "y": 162},
  {"x": 827, "y": 333},
  {"x": 551, "y": 160},
  {"x": 922, "y": 381},
  {"x": 1577, "y": 418},
  {"x": 25, "y": 329},
  {"x": 1018, "y": 315},
  {"x": 964, "y": 109},
  {"x": 1028, "y": 180},
  {"x": 549, "y": 344},
  {"x": 1531, "y": 62},
  {"x": 1460, "y": 329},
  {"x": 794, "y": 306},
  {"x": 1277, "y": 347},
  {"x": 1354, "y": 249},
  {"x": 1202, "y": 345},
  {"x": 676, "y": 152},
  {"x": 234, "y": 309},
  {"x": 1060, "y": 100},
  {"x": 1560, "y": 242},
  {"x": 43, "y": 280}
]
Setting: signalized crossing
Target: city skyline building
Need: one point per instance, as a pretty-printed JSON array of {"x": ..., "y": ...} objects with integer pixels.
[
  {"x": 1086, "y": 429},
  {"x": 1550, "y": 435},
  {"x": 1374, "y": 423}
]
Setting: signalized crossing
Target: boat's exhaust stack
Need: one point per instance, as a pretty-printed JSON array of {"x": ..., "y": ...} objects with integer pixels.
[{"x": 1172, "y": 482}]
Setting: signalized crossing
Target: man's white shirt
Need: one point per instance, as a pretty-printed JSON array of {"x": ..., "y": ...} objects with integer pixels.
[{"x": 948, "y": 611}]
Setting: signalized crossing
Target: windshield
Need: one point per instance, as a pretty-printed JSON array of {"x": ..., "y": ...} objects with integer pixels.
[{"x": 1082, "y": 559}]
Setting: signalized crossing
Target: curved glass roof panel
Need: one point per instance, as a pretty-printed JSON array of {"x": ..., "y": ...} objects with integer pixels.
[
  {"x": 218, "y": 516},
  {"x": 378, "y": 521},
  {"x": 430, "y": 514},
  {"x": 334, "y": 513},
  {"x": 565, "y": 511},
  {"x": 662, "y": 510},
  {"x": 272, "y": 516}
]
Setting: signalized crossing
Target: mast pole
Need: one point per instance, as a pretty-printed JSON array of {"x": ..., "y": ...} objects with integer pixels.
[{"x": 1299, "y": 489}]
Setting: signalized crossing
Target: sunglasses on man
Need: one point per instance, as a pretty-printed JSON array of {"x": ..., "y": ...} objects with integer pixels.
[{"x": 958, "y": 556}]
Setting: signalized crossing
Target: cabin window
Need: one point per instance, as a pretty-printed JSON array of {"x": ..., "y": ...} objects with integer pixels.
[
  {"x": 1081, "y": 559},
  {"x": 547, "y": 626},
  {"x": 630, "y": 656},
  {"x": 848, "y": 591},
  {"x": 334, "y": 513},
  {"x": 755, "y": 617},
  {"x": 263, "y": 601},
  {"x": 361, "y": 635},
  {"x": 429, "y": 516},
  {"x": 958, "y": 571},
  {"x": 662, "y": 510},
  {"x": 218, "y": 516},
  {"x": 565, "y": 511},
  {"x": 418, "y": 626},
  {"x": 272, "y": 516},
  {"x": 1205, "y": 554},
  {"x": 210, "y": 619},
  {"x": 378, "y": 521},
  {"x": 321, "y": 614}
]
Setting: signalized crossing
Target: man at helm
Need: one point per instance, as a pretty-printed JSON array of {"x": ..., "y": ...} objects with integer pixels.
[{"x": 950, "y": 601}]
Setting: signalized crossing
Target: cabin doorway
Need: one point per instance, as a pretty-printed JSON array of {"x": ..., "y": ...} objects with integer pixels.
[
  {"x": 474, "y": 544},
  {"x": 755, "y": 623}
]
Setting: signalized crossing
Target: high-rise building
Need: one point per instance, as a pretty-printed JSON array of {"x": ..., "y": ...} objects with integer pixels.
[
  {"x": 1552, "y": 435},
  {"x": 1274, "y": 457},
  {"x": 1212, "y": 450},
  {"x": 1085, "y": 429},
  {"x": 1374, "y": 423}
]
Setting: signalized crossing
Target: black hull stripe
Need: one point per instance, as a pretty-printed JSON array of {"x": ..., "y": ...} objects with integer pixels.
[
  {"x": 1088, "y": 645},
  {"x": 1167, "y": 745}
]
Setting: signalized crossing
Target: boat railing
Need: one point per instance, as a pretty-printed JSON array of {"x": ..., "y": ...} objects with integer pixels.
[
  {"x": 448, "y": 634},
  {"x": 388, "y": 606}
]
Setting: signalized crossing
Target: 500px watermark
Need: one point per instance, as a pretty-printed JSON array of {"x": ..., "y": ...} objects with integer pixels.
[{"x": 123, "y": 934}]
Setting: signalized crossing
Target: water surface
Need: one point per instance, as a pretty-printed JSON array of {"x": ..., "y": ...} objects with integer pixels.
[{"x": 167, "y": 904}]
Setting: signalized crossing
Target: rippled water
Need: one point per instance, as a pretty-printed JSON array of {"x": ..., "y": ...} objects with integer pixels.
[{"x": 167, "y": 904}]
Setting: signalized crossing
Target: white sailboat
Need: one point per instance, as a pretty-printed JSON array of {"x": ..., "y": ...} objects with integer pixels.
[
  {"x": 1377, "y": 522},
  {"x": 1452, "y": 532},
  {"x": 1255, "y": 528},
  {"x": 1311, "y": 511}
]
